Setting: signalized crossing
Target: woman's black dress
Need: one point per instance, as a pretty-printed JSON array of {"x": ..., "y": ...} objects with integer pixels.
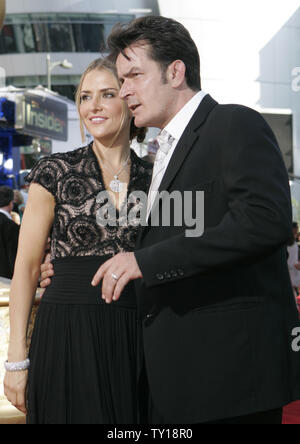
[{"x": 83, "y": 352}]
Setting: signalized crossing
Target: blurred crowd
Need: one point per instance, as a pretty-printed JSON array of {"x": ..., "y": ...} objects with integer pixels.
[
  {"x": 12, "y": 205},
  {"x": 293, "y": 255}
]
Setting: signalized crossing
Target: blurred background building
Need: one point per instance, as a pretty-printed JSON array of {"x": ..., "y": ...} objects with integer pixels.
[
  {"x": 44, "y": 48},
  {"x": 67, "y": 29},
  {"x": 2, "y": 12}
]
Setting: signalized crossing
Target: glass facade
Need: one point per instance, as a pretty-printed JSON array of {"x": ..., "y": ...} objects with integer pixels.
[{"x": 30, "y": 33}]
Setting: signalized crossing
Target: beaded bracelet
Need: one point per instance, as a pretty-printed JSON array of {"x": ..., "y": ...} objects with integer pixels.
[{"x": 17, "y": 366}]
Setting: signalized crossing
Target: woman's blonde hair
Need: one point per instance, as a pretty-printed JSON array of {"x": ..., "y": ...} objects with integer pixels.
[{"x": 106, "y": 65}]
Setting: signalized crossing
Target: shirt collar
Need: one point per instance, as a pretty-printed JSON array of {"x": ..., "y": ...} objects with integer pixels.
[
  {"x": 6, "y": 214},
  {"x": 179, "y": 123}
]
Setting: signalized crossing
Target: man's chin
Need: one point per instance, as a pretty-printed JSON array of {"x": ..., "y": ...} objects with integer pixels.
[
  {"x": 141, "y": 123},
  {"x": 138, "y": 122}
]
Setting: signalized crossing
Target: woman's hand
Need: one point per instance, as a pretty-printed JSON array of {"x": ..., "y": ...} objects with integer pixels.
[{"x": 15, "y": 384}]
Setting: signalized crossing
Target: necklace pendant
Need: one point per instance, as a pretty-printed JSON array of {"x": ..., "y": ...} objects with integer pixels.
[{"x": 116, "y": 186}]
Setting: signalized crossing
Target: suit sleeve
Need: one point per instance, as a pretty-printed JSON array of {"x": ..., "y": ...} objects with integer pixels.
[{"x": 259, "y": 216}]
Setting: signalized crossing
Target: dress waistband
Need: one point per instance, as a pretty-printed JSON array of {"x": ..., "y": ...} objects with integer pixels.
[{"x": 71, "y": 283}]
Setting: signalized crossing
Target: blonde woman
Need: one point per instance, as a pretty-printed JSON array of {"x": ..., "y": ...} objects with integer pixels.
[{"x": 82, "y": 361}]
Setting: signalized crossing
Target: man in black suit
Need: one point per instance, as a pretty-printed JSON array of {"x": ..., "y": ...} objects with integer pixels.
[
  {"x": 216, "y": 306},
  {"x": 9, "y": 233}
]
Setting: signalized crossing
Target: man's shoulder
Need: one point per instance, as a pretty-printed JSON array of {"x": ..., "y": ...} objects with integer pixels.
[
  {"x": 238, "y": 112},
  {"x": 4, "y": 218},
  {"x": 7, "y": 223},
  {"x": 235, "y": 109}
]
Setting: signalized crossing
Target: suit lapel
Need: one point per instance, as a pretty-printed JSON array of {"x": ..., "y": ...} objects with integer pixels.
[
  {"x": 187, "y": 141},
  {"x": 184, "y": 146}
]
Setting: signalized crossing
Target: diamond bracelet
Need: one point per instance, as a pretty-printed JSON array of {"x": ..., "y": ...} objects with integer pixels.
[{"x": 17, "y": 366}]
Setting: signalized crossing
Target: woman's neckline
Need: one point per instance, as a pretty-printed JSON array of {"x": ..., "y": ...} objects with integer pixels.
[{"x": 100, "y": 171}]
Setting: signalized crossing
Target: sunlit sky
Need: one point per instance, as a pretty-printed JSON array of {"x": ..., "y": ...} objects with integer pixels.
[
  {"x": 230, "y": 34},
  {"x": 260, "y": 19}
]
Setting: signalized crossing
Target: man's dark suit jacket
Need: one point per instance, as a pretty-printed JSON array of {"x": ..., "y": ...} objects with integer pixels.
[
  {"x": 9, "y": 236},
  {"x": 218, "y": 310}
]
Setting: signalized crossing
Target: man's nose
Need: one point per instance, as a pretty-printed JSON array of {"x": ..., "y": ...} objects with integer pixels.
[{"x": 124, "y": 91}]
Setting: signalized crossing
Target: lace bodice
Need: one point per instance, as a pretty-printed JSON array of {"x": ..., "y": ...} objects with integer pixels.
[{"x": 75, "y": 180}]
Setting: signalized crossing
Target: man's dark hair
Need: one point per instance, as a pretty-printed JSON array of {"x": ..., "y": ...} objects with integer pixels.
[
  {"x": 6, "y": 196},
  {"x": 169, "y": 41}
]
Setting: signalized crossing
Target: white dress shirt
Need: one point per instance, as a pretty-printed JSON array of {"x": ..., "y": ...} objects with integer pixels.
[
  {"x": 6, "y": 214},
  {"x": 176, "y": 129}
]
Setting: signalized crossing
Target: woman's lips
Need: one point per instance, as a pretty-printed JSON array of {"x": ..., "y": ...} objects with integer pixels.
[{"x": 97, "y": 120}]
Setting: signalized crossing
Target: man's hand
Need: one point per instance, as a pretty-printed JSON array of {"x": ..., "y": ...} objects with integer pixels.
[
  {"x": 47, "y": 270},
  {"x": 124, "y": 268}
]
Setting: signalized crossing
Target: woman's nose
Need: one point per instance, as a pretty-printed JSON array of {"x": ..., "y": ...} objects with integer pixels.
[{"x": 96, "y": 103}]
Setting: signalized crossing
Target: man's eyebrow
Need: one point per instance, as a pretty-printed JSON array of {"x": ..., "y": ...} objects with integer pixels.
[{"x": 134, "y": 68}]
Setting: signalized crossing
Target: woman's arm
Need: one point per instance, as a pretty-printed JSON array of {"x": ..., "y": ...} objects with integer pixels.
[{"x": 36, "y": 225}]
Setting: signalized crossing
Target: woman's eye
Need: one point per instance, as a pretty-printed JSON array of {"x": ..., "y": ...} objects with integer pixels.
[
  {"x": 84, "y": 98},
  {"x": 108, "y": 95}
]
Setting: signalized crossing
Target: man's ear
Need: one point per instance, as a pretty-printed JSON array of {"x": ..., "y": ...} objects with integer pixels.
[{"x": 176, "y": 73}]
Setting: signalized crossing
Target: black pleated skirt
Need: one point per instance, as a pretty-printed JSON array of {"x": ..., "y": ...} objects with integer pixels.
[{"x": 83, "y": 352}]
